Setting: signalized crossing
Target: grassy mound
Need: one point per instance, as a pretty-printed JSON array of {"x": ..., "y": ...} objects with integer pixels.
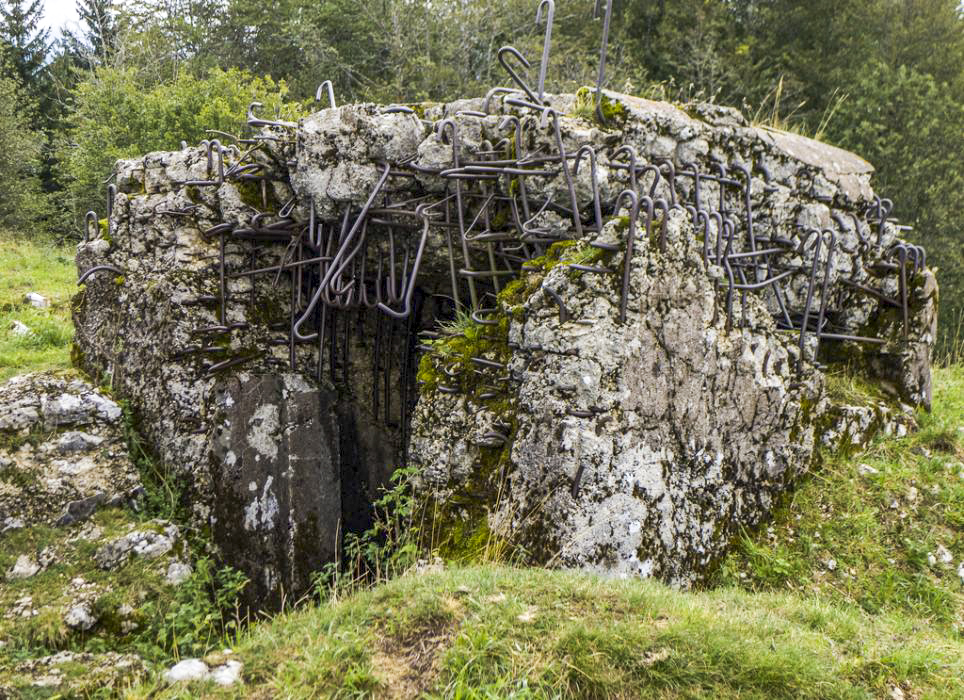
[
  {"x": 502, "y": 632},
  {"x": 882, "y": 529}
]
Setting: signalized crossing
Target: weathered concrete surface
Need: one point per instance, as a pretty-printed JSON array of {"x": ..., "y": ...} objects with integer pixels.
[
  {"x": 704, "y": 417},
  {"x": 275, "y": 466},
  {"x": 637, "y": 447}
]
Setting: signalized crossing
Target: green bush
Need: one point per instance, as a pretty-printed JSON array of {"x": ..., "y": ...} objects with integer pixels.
[
  {"x": 116, "y": 116},
  {"x": 21, "y": 203}
]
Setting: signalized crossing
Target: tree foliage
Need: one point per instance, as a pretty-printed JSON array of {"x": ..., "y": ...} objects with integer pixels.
[
  {"x": 20, "y": 150},
  {"x": 115, "y": 115}
]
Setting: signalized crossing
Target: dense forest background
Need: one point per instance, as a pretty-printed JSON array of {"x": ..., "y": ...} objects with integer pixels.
[{"x": 884, "y": 78}]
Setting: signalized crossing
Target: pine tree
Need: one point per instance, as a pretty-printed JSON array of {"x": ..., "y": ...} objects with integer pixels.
[
  {"x": 25, "y": 41},
  {"x": 99, "y": 29}
]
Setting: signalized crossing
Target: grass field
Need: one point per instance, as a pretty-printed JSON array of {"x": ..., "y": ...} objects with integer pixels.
[{"x": 49, "y": 271}]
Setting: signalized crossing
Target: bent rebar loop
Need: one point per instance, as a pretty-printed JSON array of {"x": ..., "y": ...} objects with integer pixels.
[
  {"x": 550, "y": 6},
  {"x": 808, "y": 303},
  {"x": 880, "y": 209},
  {"x": 451, "y": 126},
  {"x": 409, "y": 281},
  {"x": 704, "y": 216},
  {"x": 696, "y": 175},
  {"x": 99, "y": 268},
  {"x": 339, "y": 257},
  {"x": 516, "y": 124},
  {"x": 255, "y": 121},
  {"x": 747, "y": 187},
  {"x": 631, "y": 153},
  {"x": 601, "y": 75},
  {"x": 722, "y": 181},
  {"x": 486, "y": 105},
  {"x": 593, "y": 173},
  {"x": 513, "y": 51},
  {"x": 111, "y": 193},
  {"x": 90, "y": 219},
  {"x": 326, "y": 87},
  {"x": 664, "y": 223},
  {"x": 563, "y": 160},
  {"x": 630, "y": 240},
  {"x": 903, "y": 252},
  {"x": 827, "y": 238},
  {"x": 671, "y": 180}
]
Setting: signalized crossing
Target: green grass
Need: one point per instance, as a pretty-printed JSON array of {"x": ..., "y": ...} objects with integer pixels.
[
  {"x": 31, "y": 266},
  {"x": 498, "y": 632},
  {"x": 865, "y": 538}
]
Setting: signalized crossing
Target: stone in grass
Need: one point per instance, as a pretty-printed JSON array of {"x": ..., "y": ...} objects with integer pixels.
[
  {"x": 37, "y": 301},
  {"x": 144, "y": 543},
  {"x": 24, "y": 567},
  {"x": 80, "y": 617},
  {"x": 228, "y": 674},
  {"x": 190, "y": 670},
  {"x": 79, "y": 510},
  {"x": 178, "y": 572},
  {"x": 20, "y": 329},
  {"x": 186, "y": 671}
]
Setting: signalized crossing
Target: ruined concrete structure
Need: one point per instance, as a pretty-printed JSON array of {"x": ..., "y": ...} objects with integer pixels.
[{"x": 602, "y": 343}]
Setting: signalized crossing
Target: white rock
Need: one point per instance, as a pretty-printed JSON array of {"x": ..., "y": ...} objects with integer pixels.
[
  {"x": 12, "y": 524},
  {"x": 943, "y": 555},
  {"x": 960, "y": 572},
  {"x": 37, "y": 301},
  {"x": 80, "y": 617},
  {"x": 25, "y": 567},
  {"x": 178, "y": 572},
  {"x": 228, "y": 674},
  {"x": 187, "y": 670},
  {"x": 866, "y": 469},
  {"x": 77, "y": 441},
  {"x": 20, "y": 329},
  {"x": 912, "y": 494},
  {"x": 931, "y": 559},
  {"x": 831, "y": 565}
]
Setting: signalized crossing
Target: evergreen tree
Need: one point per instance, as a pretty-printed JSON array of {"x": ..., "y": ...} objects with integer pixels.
[
  {"x": 25, "y": 41},
  {"x": 99, "y": 30}
]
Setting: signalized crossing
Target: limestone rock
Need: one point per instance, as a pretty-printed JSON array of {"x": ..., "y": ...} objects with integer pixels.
[
  {"x": 80, "y": 617},
  {"x": 24, "y": 567},
  {"x": 178, "y": 572},
  {"x": 65, "y": 477},
  {"x": 186, "y": 671},
  {"x": 38, "y": 301},
  {"x": 149, "y": 544}
]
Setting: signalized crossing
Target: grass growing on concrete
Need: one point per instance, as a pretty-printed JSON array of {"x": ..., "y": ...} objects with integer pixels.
[
  {"x": 35, "y": 266},
  {"x": 882, "y": 529}
]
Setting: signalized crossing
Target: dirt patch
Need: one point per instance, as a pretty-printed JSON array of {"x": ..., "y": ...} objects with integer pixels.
[{"x": 409, "y": 666}]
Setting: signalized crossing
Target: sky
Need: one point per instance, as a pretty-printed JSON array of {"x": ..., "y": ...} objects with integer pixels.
[{"x": 59, "y": 13}]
